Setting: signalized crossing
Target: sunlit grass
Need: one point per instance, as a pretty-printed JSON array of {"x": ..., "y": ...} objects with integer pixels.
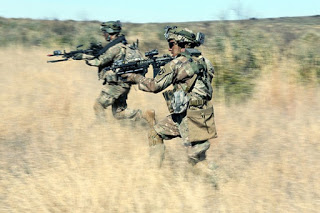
[{"x": 54, "y": 158}]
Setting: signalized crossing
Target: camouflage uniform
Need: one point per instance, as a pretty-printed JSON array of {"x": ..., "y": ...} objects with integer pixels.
[
  {"x": 114, "y": 92},
  {"x": 192, "y": 114}
]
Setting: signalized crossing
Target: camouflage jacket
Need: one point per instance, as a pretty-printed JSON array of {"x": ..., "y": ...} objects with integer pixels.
[
  {"x": 115, "y": 53},
  {"x": 184, "y": 74}
]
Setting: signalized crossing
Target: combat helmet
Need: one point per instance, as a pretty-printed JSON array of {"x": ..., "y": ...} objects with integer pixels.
[
  {"x": 111, "y": 27},
  {"x": 183, "y": 35}
]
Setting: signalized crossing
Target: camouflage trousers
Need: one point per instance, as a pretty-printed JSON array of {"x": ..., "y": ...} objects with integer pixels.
[
  {"x": 115, "y": 95},
  {"x": 176, "y": 126}
]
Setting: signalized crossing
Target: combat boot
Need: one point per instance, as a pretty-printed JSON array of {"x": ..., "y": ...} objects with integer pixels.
[
  {"x": 150, "y": 117},
  {"x": 130, "y": 114},
  {"x": 197, "y": 152}
]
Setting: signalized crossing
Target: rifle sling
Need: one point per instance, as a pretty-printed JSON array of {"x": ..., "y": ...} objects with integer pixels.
[{"x": 111, "y": 44}]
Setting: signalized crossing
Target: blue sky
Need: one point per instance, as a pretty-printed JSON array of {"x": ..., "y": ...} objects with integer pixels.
[{"x": 143, "y": 11}]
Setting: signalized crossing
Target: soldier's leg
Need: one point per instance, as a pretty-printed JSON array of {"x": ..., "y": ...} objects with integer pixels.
[
  {"x": 101, "y": 103},
  {"x": 198, "y": 164},
  {"x": 125, "y": 113},
  {"x": 109, "y": 93},
  {"x": 165, "y": 129},
  {"x": 157, "y": 148},
  {"x": 197, "y": 151},
  {"x": 150, "y": 117},
  {"x": 120, "y": 108}
]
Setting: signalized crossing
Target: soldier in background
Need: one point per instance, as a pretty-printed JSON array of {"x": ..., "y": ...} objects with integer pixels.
[
  {"x": 114, "y": 92},
  {"x": 191, "y": 112}
]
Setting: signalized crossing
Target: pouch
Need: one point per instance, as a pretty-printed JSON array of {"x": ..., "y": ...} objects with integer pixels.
[
  {"x": 180, "y": 102},
  {"x": 201, "y": 124},
  {"x": 168, "y": 96}
]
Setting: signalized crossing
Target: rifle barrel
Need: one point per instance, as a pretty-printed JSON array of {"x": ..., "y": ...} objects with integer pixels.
[{"x": 54, "y": 61}]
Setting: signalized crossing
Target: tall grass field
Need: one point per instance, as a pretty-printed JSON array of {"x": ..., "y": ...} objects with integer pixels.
[{"x": 54, "y": 156}]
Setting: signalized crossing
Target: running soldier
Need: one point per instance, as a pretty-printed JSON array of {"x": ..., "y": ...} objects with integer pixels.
[
  {"x": 114, "y": 92},
  {"x": 191, "y": 112}
]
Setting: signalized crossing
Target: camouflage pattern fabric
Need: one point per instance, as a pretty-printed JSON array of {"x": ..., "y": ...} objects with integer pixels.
[
  {"x": 178, "y": 72},
  {"x": 195, "y": 125},
  {"x": 114, "y": 53},
  {"x": 197, "y": 152},
  {"x": 114, "y": 92},
  {"x": 116, "y": 96},
  {"x": 183, "y": 35},
  {"x": 172, "y": 126}
]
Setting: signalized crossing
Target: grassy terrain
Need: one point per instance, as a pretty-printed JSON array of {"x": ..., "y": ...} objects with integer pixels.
[
  {"x": 55, "y": 158},
  {"x": 239, "y": 49}
]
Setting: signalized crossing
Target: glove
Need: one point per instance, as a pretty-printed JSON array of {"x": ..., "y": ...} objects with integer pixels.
[
  {"x": 77, "y": 56},
  {"x": 132, "y": 77}
]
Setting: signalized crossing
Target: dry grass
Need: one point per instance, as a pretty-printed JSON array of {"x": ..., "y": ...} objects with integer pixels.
[{"x": 53, "y": 158}]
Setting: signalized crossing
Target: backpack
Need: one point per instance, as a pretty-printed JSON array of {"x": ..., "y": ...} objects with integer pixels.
[{"x": 132, "y": 52}]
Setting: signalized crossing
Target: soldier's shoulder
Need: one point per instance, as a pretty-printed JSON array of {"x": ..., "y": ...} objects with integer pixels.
[
  {"x": 114, "y": 49},
  {"x": 182, "y": 57},
  {"x": 117, "y": 46},
  {"x": 174, "y": 64},
  {"x": 180, "y": 60}
]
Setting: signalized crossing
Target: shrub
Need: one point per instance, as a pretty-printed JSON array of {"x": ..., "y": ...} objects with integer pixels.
[{"x": 307, "y": 54}]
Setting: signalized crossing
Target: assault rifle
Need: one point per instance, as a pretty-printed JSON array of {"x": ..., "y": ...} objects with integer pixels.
[
  {"x": 93, "y": 50},
  {"x": 139, "y": 66},
  {"x": 157, "y": 62}
]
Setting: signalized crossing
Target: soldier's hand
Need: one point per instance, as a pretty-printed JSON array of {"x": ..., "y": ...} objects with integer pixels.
[
  {"x": 130, "y": 77},
  {"x": 77, "y": 56}
]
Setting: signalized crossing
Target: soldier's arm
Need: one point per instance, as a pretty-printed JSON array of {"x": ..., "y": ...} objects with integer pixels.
[
  {"x": 210, "y": 67},
  {"x": 176, "y": 70},
  {"x": 163, "y": 80},
  {"x": 106, "y": 57}
]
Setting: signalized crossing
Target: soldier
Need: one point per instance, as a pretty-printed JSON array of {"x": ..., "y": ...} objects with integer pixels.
[
  {"x": 114, "y": 92},
  {"x": 191, "y": 113}
]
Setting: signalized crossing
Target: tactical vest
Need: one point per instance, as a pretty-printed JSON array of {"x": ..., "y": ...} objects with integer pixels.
[{"x": 182, "y": 96}]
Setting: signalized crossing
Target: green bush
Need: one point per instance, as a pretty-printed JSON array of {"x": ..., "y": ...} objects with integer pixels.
[
  {"x": 239, "y": 62},
  {"x": 307, "y": 54},
  {"x": 239, "y": 50}
]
